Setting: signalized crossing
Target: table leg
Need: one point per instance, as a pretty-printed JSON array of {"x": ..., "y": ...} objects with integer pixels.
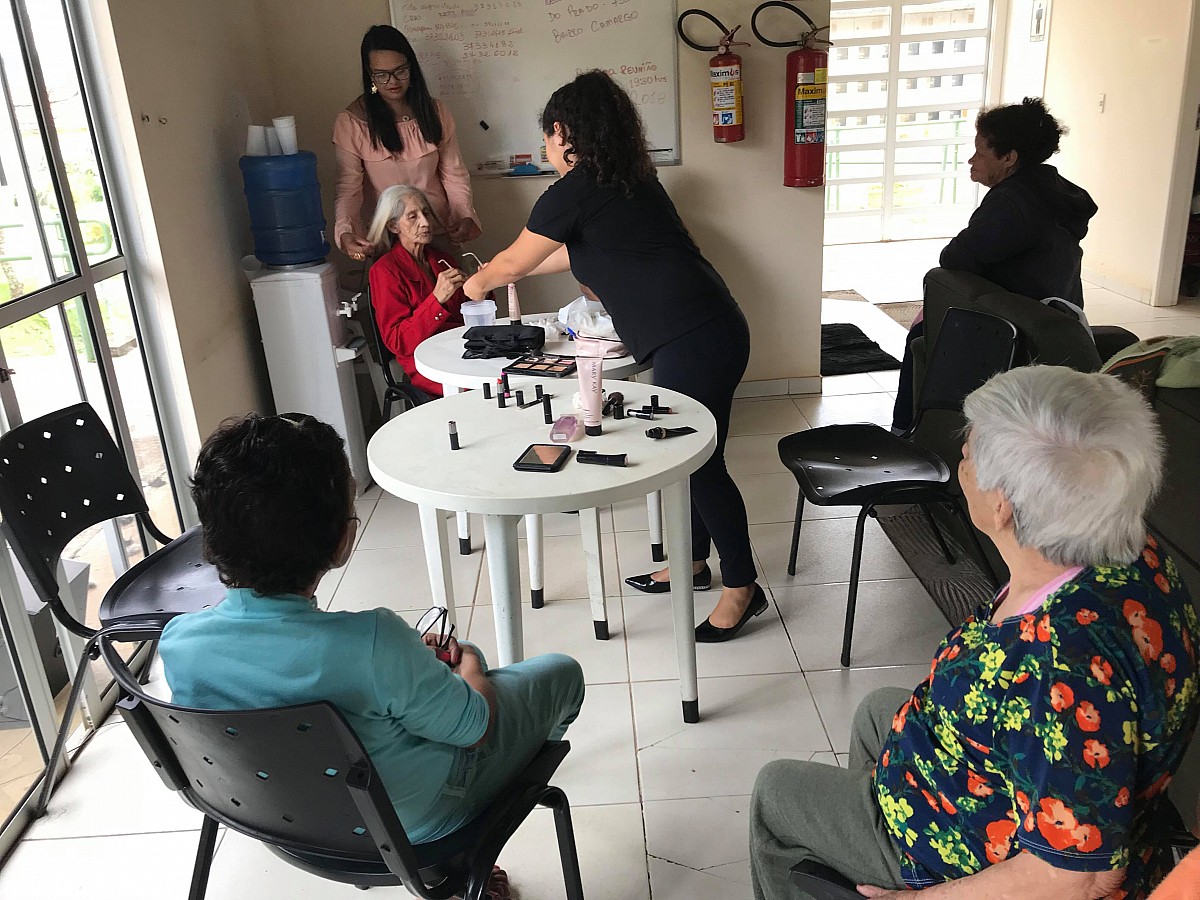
[
  {"x": 593, "y": 557},
  {"x": 654, "y": 517},
  {"x": 464, "y": 520},
  {"x": 437, "y": 558},
  {"x": 500, "y": 533},
  {"x": 537, "y": 573},
  {"x": 677, "y": 500}
]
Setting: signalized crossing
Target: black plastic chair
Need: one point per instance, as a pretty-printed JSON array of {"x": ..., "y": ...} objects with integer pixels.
[
  {"x": 298, "y": 779},
  {"x": 822, "y": 882},
  {"x": 868, "y": 466},
  {"x": 393, "y": 390},
  {"x": 60, "y": 474}
]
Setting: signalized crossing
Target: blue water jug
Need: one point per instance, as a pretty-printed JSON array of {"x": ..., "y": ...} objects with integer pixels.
[{"x": 284, "y": 197}]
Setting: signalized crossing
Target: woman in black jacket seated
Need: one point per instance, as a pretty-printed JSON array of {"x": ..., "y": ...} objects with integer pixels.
[{"x": 1025, "y": 234}]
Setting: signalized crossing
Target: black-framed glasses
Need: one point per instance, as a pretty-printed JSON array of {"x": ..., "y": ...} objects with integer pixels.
[
  {"x": 436, "y": 622},
  {"x": 385, "y": 77}
]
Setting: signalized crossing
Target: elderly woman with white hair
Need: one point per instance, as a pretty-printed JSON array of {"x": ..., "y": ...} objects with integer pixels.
[
  {"x": 416, "y": 290},
  {"x": 1032, "y": 760}
]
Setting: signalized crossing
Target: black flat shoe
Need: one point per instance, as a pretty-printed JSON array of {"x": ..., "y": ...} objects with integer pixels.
[
  {"x": 701, "y": 581},
  {"x": 708, "y": 633}
]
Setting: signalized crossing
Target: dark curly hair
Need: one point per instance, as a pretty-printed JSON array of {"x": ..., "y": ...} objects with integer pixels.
[
  {"x": 274, "y": 494},
  {"x": 381, "y": 122},
  {"x": 1026, "y": 127},
  {"x": 602, "y": 130}
]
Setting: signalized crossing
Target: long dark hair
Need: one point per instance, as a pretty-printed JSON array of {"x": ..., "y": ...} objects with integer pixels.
[
  {"x": 1026, "y": 127},
  {"x": 602, "y": 130},
  {"x": 381, "y": 122}
]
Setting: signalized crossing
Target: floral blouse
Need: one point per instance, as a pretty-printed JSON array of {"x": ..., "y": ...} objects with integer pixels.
[{"x": 1052, "y": 733}]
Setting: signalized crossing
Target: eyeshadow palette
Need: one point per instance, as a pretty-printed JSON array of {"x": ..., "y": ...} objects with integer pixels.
[{"x": 542, "y": 365}]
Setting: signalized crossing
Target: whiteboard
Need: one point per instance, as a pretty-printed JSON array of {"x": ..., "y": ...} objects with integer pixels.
[{"x": 498, "y": 61}]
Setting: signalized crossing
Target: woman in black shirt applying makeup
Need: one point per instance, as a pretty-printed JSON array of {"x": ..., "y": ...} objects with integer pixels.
[{"x": 609, "y": 221}]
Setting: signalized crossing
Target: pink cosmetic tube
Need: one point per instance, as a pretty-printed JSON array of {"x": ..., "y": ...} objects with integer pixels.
[{"x": 591, "y": 393}]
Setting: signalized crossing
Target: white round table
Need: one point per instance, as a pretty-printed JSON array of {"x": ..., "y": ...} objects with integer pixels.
[
  {"x": 410, "y": 457},
  {"x": 440, "y": 359}
]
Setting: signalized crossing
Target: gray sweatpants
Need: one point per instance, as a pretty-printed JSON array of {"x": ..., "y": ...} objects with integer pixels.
[{"x": 813, "y": 811}]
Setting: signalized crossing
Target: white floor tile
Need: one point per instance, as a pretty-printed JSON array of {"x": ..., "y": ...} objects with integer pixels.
[
  {"x": 397, "y": 578},
  {"x": 113, "y": 789},
  {"x": 754, "y": 454},
  {"x": 825, "y": 552},
  {"x": 564, "y": 523},
  {"x": 896, "y": 623},
  {"x": 564, "y": 626},
  {"x": 846, "y": 410},
  {"x": 669, "y": 881},
  {"x": 612, "y": 854},
  {"x": 840, "y": 385},
  {"x": 839, "y": 692},
  {"x": 745, "y": 722},
  {"x": 672, "y": 836},
  {"x": 1175, "y": 325},
  {"x": 765, "y": 417},
  {"x": 630, "y": 515},
  {"x": 771, "y": 499},
  {"x": 761, "y": 648},
  {"x": 243, "y": 867},
  {"x": 393, "y": 523},
  {"x": 160, "y": 865},
  {"x": 564, "y": 573},
  {"x": 889, "y": 380},
  {"x": 602, "y": 765}
]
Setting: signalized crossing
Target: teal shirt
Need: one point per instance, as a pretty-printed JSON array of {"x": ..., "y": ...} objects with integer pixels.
[{"x": 406, "y": 706}]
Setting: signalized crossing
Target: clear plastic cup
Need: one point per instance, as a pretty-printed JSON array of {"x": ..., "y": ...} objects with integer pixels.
[{"x": 479, "y": 312}]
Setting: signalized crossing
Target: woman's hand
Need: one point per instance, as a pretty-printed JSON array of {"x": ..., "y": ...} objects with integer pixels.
[
  {"x": 879, "y": 893},
  {"x": 464, "y": 231},
  {"x": 354, "y": 246},
  {"x": 448, "y": 283}
]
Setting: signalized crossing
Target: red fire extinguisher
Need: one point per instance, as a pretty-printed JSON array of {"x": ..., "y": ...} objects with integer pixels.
[
  {"x": 805, "y": 95},
  {"x": 725, "y": 80}
]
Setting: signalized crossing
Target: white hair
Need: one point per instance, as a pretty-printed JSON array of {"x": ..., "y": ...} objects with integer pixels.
[
  {"x": 392, "y": 203},
  {"x": 1078, "y": 455}
]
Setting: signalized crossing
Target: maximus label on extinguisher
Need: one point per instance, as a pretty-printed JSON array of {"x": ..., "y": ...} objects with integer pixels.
[
  {"x": 726, "y": 95},
  {"x": 809, "y": 125}
]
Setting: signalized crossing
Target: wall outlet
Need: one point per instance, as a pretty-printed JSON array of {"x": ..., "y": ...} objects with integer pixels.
[{"x": 1100, "y": 103}]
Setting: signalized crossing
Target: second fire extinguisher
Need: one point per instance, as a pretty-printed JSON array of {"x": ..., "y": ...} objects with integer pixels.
[
  {"x": 725, "y": 79},
  {"x": 806, "y": 87}
]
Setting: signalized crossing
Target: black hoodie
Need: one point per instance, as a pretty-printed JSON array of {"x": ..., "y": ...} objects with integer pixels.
[{"x": 1025, "y": 235}]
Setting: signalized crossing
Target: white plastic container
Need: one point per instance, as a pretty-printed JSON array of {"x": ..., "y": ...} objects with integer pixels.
[{"x": 479, "y": 312}]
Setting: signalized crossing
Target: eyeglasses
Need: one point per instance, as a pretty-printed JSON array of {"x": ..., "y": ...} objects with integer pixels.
[
  {"x": 399, "y": 73},
  {"x": 435, "y": 622}
]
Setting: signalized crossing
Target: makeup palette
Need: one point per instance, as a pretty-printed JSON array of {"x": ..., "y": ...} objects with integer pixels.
[{"x": 546, "y": 365}]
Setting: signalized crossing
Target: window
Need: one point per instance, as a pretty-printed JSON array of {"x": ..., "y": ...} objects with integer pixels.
[
  {"x": 841, "y": 52},
  {"x": 910, "y": 83},
  {"x": 939, "y": 46},
  {"x": 960, "y": 46},
  {"x": 956, "y": 80},
  {"x": 864, "y": 52},
  {"x": 935, "y": 81},
  {"x": 862, "y": 87},
  {"x": 914, "y": 49},
  {"x": 839, "y": 87}
]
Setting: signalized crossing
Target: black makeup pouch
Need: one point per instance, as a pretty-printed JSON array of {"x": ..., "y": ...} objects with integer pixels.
[{"x": 511, "y": 341}]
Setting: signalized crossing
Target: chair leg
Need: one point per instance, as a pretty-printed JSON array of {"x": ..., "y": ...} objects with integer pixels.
[
  {"x": 979, "y": 554},
  {"x": 852, "y": 596},
  {"x": 387, "y": 408},
  {"x": 64, "y": 729},
  {"x": 796, "y": 532},
  {"x": 557, "y": 800},
  {"x": 204, "y": 857},
  {"x": 937, "y": 533}
]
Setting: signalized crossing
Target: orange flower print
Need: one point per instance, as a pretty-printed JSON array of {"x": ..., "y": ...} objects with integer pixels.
[
  {"x": 887, "y": 755},
  {"x": 952, "y": 653},
  {"x": 1086, "y": 616},
  {"x": 1057, "y": 824},
  {"x": 1023, "y": 801},
  {"x": 999, "y": 839},
  {"x": 1170, "y": 687},
  {"x": 1030, "y": 822},
  {"x": 1160, "y": 581},
  {"x": 1147, "y": 633},
  {"x": 1151, "y": 541},
  {"x": 977, "y": 784},
  {"x": 1101, "y": 670},
  {"x": 933, "y": 804},
  {"x": 1021, "y": 678},
  {"x": 1122, "y": 797},
  {"x": 1061, "y": 696},
  {"x": 1028, "y": 628},
  {"x": 1095, "y": 754},
  {"x": 946, "y": 804},
  {"x": 1087, "y": 717},
  {"x": 1043, "y": 628},
  {"x": 1150, "y": 557},
  {"x": 978, "y": 746},
  {"x": 1155, "y": 789},
  {"x": 1167, "y": 661},
  {"x": 908, "y": 776},
  {"x": 901, "y": 717}
]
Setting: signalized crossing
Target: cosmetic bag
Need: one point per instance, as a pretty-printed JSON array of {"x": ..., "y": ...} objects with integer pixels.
[{"x": 511, "y": 341}]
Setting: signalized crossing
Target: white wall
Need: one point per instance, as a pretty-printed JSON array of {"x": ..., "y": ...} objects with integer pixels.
[
  {"x": 1136, "y": 53},
  {"x": 764, "y": 239},
  {"x": 1024, "y": 63}
]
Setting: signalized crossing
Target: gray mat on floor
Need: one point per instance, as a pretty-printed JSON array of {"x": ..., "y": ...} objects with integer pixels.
[{"x": 957, "y": 589}]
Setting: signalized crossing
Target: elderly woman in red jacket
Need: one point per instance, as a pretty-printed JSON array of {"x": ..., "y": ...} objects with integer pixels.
[{"x": 416, "y": 290}]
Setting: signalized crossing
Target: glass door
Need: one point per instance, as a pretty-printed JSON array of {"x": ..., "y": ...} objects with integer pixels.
[
  {"x": 68, "y": 333},
  {"x": 906, "y": 82}
]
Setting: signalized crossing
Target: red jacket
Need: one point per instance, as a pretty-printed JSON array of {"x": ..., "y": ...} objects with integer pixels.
[{"x": 406, "y": 310}]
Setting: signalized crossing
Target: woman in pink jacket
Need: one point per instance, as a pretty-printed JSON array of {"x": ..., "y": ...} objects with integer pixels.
[{"x": 397, "y": 133}]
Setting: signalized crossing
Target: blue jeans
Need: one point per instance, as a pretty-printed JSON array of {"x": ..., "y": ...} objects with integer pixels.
[{"x": 536, "y": 699}]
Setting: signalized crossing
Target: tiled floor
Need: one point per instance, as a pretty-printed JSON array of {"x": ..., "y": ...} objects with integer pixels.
[{"x": 659, "y": 806}]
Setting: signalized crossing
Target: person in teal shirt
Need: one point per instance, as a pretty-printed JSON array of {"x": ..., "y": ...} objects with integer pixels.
[{"x": 276, "y": 501}]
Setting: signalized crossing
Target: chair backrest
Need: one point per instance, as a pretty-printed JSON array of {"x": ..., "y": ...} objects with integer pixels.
[
  {"x": 60, "y": 474},
  {"x": 396, "y": 389},
  {"x": 295, "y": 777},
  {"x": 971, "y": 347}
]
